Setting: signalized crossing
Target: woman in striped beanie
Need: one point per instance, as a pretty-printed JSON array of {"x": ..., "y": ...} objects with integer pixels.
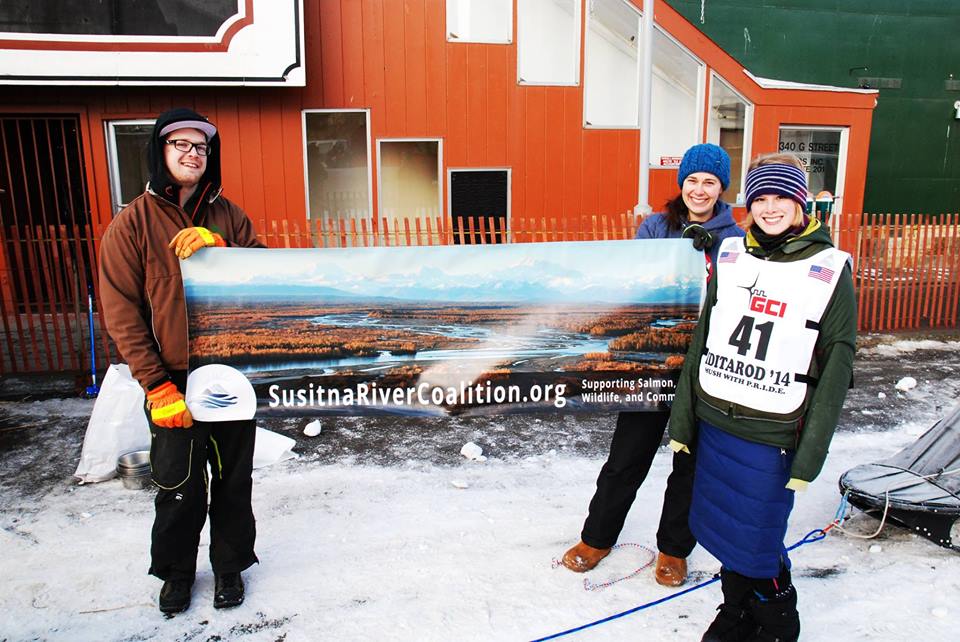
[{"x": 760, "y": 395}]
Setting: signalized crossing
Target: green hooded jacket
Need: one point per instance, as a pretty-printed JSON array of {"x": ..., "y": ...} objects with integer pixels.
[{"x": 810, "y": 430}]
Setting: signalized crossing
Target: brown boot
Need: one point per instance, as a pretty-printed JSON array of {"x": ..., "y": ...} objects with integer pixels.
[
  {"x": 671, "y": 571},
  {"x": 583, "y": 557}
]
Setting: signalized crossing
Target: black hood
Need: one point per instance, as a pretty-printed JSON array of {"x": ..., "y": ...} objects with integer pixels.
[{"x": 162, "y": 184}]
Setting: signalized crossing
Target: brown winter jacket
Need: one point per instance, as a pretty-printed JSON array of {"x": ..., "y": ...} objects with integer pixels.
[{"x": 140, "y": 284}]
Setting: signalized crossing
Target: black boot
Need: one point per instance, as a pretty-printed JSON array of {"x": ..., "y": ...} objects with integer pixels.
[
  {"x": 175, "y": 596},
  {"x": 776, "y": 616},
  {"x": 228, "y": 591},
  {"x": 733, "y": 622}
]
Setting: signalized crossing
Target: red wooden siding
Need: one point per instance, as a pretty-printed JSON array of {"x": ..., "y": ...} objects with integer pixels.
[{"x": 392, "y": 56}]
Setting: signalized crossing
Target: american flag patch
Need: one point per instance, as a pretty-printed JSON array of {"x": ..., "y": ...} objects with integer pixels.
[
  {"x": 822, "y": 273},
  {"x": 728, "y": 257}
]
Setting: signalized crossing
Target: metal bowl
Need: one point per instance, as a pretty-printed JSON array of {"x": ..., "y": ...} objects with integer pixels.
[
  {"x": 135, "y": 460},
  {"x": 134, "y": 469}
]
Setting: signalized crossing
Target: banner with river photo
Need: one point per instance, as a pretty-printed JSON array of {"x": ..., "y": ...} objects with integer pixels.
[{"x": 468, "y": 329}]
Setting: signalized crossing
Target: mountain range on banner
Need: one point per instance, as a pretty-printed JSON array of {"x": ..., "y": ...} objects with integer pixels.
[{"x": 564, "y": 284}]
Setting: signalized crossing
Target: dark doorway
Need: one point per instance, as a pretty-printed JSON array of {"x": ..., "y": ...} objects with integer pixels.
[
  {"x": 41, "y": 171},
  {"x": 44, "y": 208},
  {"x": 479, "y": 194}
]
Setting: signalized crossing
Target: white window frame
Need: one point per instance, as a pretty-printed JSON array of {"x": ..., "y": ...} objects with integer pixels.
[
  {"x": 841, "y": 155},
  {"x": 577, "y": 39},
  {"x": 414, "y": 139},
  {"x": 113, "y": 164},
  {"x": 701, "y": 90},
  {"x": 493, "y": 41},
  {"x": 509, "y": 171},
  {"x": 586, "y": 54},
  {"x": 747, "y": 129},
  {"x": 306, "y": 174}
]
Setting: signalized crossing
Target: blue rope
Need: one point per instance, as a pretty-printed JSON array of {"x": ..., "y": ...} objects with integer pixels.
[
  {"x": 813, "y": 536},
  {"x": 633, "y": 610},
  {"x": 841, "y": 513}
]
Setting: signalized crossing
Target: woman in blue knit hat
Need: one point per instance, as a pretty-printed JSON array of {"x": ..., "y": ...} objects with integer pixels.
[
  {"x": 760, "y": 394},
  {"x": 695, "y": 212}
]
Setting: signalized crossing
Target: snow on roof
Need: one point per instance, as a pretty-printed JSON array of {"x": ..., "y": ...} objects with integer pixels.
[{"x": 770, "y": 83}]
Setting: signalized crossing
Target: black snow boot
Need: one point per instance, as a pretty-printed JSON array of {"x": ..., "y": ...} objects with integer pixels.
[
  {"x": 776, "y": 616},
  {"x": 228, "y": 590},
  {"x": 733, "y": 622},
  {"x": 175, "y": 596}
]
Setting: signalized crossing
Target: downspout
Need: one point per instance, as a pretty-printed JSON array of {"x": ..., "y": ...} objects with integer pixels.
[{"x": 646, "y": 85}]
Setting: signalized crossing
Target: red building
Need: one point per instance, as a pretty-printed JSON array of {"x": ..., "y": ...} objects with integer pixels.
[
  {"x": 340, "y": 108},
  {"x": 334, "y": 110}
]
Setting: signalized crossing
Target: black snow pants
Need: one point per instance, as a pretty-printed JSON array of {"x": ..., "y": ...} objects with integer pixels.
[
  {"x": 636, "y": 439},
  {"x": 179, "y": 458}
]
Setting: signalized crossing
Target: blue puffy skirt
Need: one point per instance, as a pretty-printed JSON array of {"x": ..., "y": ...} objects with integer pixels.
[{"x": 740, "y": 502}]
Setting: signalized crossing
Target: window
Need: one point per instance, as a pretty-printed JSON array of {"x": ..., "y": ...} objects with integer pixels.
[
  {"x": 824, "y": 151},
  {"x": 338, "y": 165},
  {"x": 480, "y": 21},
  {"x": 409, "y": 178},
  {"x": 548, "y": 42},
  {"x": 729, "y": 126},
  {"x": 479, "y": 193},
  {"x": 676, "y": 101},
  {"x": 142, "y": 18},
  {"x": 611, "y": 93},
  {"x": 127, "y": 155}
]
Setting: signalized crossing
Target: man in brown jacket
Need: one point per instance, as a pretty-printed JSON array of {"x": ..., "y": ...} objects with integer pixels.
[{"x": 180, "y": 212}]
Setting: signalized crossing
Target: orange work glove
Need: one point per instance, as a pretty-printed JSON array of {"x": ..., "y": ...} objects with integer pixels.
[
  {"x": 190, "y": 239},
  {"x": 167, "y": 407}
]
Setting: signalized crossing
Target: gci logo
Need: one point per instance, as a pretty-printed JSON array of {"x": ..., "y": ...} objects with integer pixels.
[{"x": 763, "y": 305}]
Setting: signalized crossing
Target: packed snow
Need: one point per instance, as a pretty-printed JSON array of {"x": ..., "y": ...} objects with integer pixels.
[
  {"x": 906, "y": 384},
  {"x": 435, "y": 545},
  {"x": 313, "y": 428}
]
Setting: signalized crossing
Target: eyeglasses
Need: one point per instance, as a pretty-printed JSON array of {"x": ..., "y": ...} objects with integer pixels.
[{"x": 183, "y": 145}]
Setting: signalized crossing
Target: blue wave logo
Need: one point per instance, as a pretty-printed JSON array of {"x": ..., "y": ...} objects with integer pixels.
[{"x": 216, "y": 398}]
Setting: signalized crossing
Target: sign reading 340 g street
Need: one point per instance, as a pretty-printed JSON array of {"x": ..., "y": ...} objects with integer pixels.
[{"x": 478, "y": 329}]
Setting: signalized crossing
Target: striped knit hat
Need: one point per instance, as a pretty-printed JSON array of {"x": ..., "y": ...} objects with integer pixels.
[{"x": 778, "y": 178}]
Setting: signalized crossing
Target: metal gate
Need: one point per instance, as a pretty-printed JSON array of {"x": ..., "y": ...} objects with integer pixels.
[{"x": 46, "y": 274}]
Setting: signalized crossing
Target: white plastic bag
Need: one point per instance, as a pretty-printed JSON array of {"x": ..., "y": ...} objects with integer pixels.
[
  {"x": 117, "y": 425},
  {"x": 271, "y": 448}
]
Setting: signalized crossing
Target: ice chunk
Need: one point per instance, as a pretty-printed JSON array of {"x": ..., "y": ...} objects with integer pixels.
[
  {"x": 907, "y": 383},
  {"x": 939, "y": 612},
  {"x": 457, "y": 483},
  {"x": 881, "y": 395},
  {"x": 876, "y": 548},
  {"x": 472, "y": 451},
  {"x": 312, "y": 429}
]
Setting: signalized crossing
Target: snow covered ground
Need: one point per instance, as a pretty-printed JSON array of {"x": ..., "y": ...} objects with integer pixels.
[{"x": 381, "y": 530}]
